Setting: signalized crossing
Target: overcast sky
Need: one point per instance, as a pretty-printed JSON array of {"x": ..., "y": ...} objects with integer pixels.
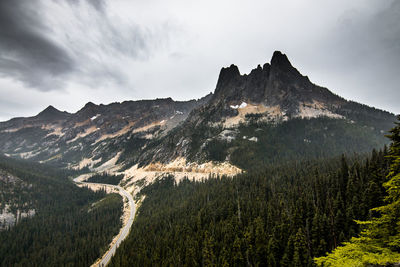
[{"x": 68, "y": 52}]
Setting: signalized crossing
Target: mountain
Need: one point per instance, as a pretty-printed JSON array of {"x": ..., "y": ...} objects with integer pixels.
[
  {"x": 277, "y": 84},
  {"x": 48, "y": 115},
  {"x": 51, "y": 114},
  {"x": 274, "y": 113},
  {"x": 95, "y": 131}
]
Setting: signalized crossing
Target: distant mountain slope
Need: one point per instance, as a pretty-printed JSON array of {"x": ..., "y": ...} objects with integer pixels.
[
  {"x": 94, "y": 134},
  {"x": 58, "y": 223},
  {"x": 274, "y": 113}
]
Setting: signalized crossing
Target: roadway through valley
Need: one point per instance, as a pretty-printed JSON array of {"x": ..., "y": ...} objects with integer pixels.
[{"x": 126, "y": 227}]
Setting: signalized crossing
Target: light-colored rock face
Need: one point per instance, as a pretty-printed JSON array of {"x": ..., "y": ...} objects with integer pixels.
[
  {"x": 245, "y": 109},
  {"x": 9, "y": 219},
  {"x": 275, "y": 113},
  {"x": 110, "y": 165},
  {"x": 12, "y": 211},
  {"x": 148, "y": 126},
  {"x": 83, "y": 134},
  {"x": 86, "y": 162},
  {"x": 135, "y": 178},
  {"x": 316, "y": 109},
  {"x": 54, "y": 129}
]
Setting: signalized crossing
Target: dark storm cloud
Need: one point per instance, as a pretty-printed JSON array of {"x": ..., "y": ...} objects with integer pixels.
[
  {"x": 25, "y": 53},
  {"x": 385, "y": 29},
  {"x": 35, "y": 52},
  {"x": 367, "y": 47},
  {"x": 362, "y": 38}
]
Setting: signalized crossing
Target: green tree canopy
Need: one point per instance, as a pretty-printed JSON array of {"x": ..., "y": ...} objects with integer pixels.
[{"x": 379, "y": 242}]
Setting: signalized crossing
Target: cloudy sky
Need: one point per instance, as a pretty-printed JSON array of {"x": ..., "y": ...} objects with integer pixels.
[{"x": 68, "y": 52}]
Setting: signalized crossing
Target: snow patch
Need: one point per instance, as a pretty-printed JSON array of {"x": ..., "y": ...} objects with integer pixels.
[
  {"x": 253, "y": 139},
  {"x": 242, "y": 105},
  {"x": 95, "y": 117}
]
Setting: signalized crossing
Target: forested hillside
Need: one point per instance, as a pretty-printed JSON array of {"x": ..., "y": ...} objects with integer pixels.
[
  {"x": 105, "y": 178},
  {"x": 258, "y": 143},
  {"x": 379, "y": 242},
  {"x": 281, "y": 215},
  {"x": 72, "y": 226}
]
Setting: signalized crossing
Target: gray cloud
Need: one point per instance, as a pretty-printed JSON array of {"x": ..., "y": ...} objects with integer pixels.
[
  {"x": 35, "y": 52},
  {"x": 114, "y": 50},
  {"x": 363, "y": 54},
  {"x": 360, "y": 37},
  {"x": 25, "y": 53},
  {"x": 97, "y": 4}
]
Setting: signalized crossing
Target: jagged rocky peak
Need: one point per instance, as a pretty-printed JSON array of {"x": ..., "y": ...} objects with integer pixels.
[
  {"x": 89, "y": 105},
  {"x": 49, "y": 110},
  {"x": 226, "y": 77},
  {"x": 281, "y": 61},
  {"x": 51, "y": 113},
  {"x": 276, "y": 83}
]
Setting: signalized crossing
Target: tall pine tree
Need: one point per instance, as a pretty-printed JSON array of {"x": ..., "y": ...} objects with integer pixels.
[{"x": 379, "y": 242}]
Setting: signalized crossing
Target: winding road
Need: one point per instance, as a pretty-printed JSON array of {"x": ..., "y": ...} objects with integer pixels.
[{"x": 125, "y": 229}]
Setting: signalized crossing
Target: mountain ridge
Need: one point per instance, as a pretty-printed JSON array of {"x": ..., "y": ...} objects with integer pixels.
[
  {"x": 274, "y": 93},
  {"x": 272, "y": 112}
]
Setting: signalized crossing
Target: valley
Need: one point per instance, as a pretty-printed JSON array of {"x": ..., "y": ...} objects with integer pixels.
[
  {"x": 70, "y": 225},
  {"x": 128, "y": 216}
]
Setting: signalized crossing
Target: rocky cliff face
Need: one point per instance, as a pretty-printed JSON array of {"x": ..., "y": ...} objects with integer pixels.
[{"x": 277, "y": 84}]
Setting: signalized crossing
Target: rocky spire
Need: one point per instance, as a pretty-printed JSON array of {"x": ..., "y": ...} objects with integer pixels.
[
  {"x": 280, "y": 63},
  {"x": 281, "y": 60},
  {"x": 227, "y": 76}
]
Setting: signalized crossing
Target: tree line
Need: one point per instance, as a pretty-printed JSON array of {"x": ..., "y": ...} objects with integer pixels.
[{"x": 72, "y": 226}]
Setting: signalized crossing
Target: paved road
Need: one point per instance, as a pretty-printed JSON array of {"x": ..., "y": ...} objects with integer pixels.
[{"x": 125, "y": 229}]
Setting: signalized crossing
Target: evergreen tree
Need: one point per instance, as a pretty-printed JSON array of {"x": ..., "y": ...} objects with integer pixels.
[{"x": 379, "y": 242}]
